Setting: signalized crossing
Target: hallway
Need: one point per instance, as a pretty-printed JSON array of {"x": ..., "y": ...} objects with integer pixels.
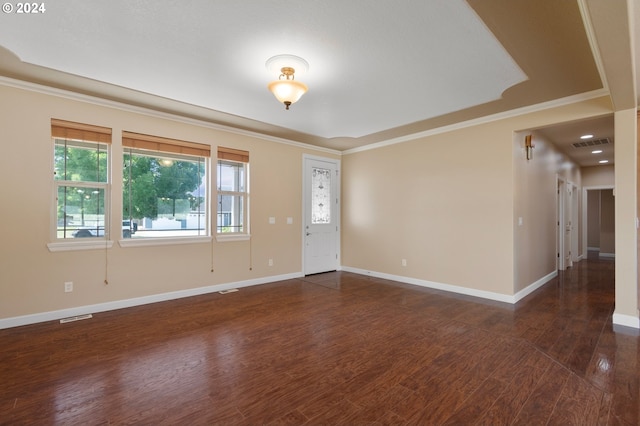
[{"x": 335, "y": 348}]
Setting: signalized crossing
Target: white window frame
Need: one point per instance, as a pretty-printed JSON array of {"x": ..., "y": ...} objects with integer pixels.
[
  {"x": 71, "y": 244},
  {"x": 244, "y": 195},
  {"x": 158, "y": 146},
  {"x": 181, "y": 239}
]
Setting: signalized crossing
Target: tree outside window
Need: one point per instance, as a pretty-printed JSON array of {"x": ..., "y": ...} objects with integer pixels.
[
  {"x": 164, "y": 192},
  {"x": 81, "y": 161}
]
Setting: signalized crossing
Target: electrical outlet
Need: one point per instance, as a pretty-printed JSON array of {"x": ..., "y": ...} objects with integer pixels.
[
  {"x": 404, "y": 262},
  {"x": 270, "y": 262},
  {"x": 68, "y": 286}
]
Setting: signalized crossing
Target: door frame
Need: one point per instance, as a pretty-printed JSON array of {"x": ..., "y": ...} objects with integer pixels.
[
  {"x": 565, "y": 219},
  {"x": 305, "y": 208}
]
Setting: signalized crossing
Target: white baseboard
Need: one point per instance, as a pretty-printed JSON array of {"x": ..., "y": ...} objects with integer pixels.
[
  {"x": 626, "y": 320},
  {"x": 534, "y": 286},
  {"x": 499, "y": 297},
  {"x": 127, "y": 303},
  {"x": 608, "y": 255},
  {"x": 431, "y": 284},
  {"x": 618, "y": 319}
]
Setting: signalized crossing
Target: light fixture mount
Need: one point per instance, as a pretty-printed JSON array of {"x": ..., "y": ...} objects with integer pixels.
[
  {"x": 528, "y": 146},
  {"x": 286, "y": 89},
  {"x": 287, "y": 72},
  {"x": 275, "y": 64}
]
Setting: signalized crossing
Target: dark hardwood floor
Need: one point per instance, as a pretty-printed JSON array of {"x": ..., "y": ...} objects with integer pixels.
[{"x": 334, "y": 348}]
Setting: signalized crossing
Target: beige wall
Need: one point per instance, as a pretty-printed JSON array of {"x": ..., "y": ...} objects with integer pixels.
[
  {"x": 32, "y": 278},
  {"x": 626, "y": 233},
  {"x": 598, "y": 176},
  {"x": 535, "y": 201},
  {"x": 436, "y": 203},
  {"x": 449, "y": 204}
]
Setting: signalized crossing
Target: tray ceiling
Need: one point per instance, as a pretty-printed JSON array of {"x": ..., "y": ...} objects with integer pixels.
[{"x": 378, "y": 69}]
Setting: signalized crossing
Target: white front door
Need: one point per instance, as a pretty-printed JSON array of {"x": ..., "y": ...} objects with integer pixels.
[{"x": 321, "y": 215}]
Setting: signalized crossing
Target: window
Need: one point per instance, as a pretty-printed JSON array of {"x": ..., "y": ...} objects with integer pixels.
[
  {"x": 164, "y": 187},
  {"x": 81, "y": 179},
  {"x": 232, "y": 191}
]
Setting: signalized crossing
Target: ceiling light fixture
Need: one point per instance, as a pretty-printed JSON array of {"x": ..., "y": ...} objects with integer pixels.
[
  {"x": 586, "y": 136},
  {"x": 603, "y": 161},
  {"x": 286, "y": 89},
  {"x": 597, "y": 151}
]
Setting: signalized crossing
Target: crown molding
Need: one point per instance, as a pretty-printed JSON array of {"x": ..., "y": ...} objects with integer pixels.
[
  {"x": 95, "y": 100},
  {"x": 123, "y": 106},
  {"x": 593, "y": 41},
  {"x": 483, "y": 120}
]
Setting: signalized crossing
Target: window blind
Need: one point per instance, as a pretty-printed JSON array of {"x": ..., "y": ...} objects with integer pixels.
[
  {"x": 233, "y": 154},
  {"x": 159, "y": 144},
  {"x": 70, "y": 130}
]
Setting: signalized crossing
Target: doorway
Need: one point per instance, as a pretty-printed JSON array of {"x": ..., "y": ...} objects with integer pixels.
[
  {"x": 599, "y": 218},
  {"x": 321, "y": 212}
]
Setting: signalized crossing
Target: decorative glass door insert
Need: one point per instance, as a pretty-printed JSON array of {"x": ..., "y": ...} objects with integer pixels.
[{"x": 320, "y": 196}]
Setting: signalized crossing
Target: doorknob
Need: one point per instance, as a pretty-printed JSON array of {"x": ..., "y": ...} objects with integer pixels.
[{"x": 308, "y": 233}]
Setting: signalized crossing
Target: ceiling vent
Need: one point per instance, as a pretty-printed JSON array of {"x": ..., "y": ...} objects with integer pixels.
[{"x": 594, "y": 142}]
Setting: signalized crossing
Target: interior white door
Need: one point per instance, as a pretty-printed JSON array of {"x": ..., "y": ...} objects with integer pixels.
[
  {"x": 565, "y": 225},
  {"x": 575, "y": 229},
  {"x": 321, "y": 215},
  {"x": 568, "y": 226},
  {"x": 560, "y": 237}
]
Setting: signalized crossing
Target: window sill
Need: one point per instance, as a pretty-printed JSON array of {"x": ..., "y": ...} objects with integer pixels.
[
  {"x": 80, "y": 245},
  {"x": 232, "y": 237},
  {"x": 162, "y": 241}
]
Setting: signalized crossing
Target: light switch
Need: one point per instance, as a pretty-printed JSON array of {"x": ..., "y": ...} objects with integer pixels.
[
  {"x": 289, "y": 220},
  {"x": 272, "y": 220},
  {"x": 520, "y": 221}
]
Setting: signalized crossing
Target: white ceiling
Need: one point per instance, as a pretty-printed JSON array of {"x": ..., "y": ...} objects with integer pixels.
[
  {"x": 377, "y": 69},
  {"x": 213, "y": 53}
]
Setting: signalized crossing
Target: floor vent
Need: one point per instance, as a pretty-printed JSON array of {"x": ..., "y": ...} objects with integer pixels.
[
  {"x": 231, "y": 290},
  {"x": 76, "y": 318},
  {"x": 594, "y": 142}
]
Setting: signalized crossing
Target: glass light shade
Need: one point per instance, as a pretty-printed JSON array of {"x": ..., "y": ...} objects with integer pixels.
[{"x": 287, "y": 90}]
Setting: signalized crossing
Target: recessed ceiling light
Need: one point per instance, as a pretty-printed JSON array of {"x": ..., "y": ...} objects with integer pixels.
[
  {"x": 603, "y": 161},
  {"x": 586, "y": 136},
  {"x": 597, "y": 151}
]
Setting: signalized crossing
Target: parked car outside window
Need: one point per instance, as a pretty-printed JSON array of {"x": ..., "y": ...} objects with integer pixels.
[{"x": 128, "y": 229}]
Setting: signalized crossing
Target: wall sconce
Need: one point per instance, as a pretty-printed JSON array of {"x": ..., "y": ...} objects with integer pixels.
[
  {"x": 528, "y": 146},
  {"x": 285, "y": 88}
]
